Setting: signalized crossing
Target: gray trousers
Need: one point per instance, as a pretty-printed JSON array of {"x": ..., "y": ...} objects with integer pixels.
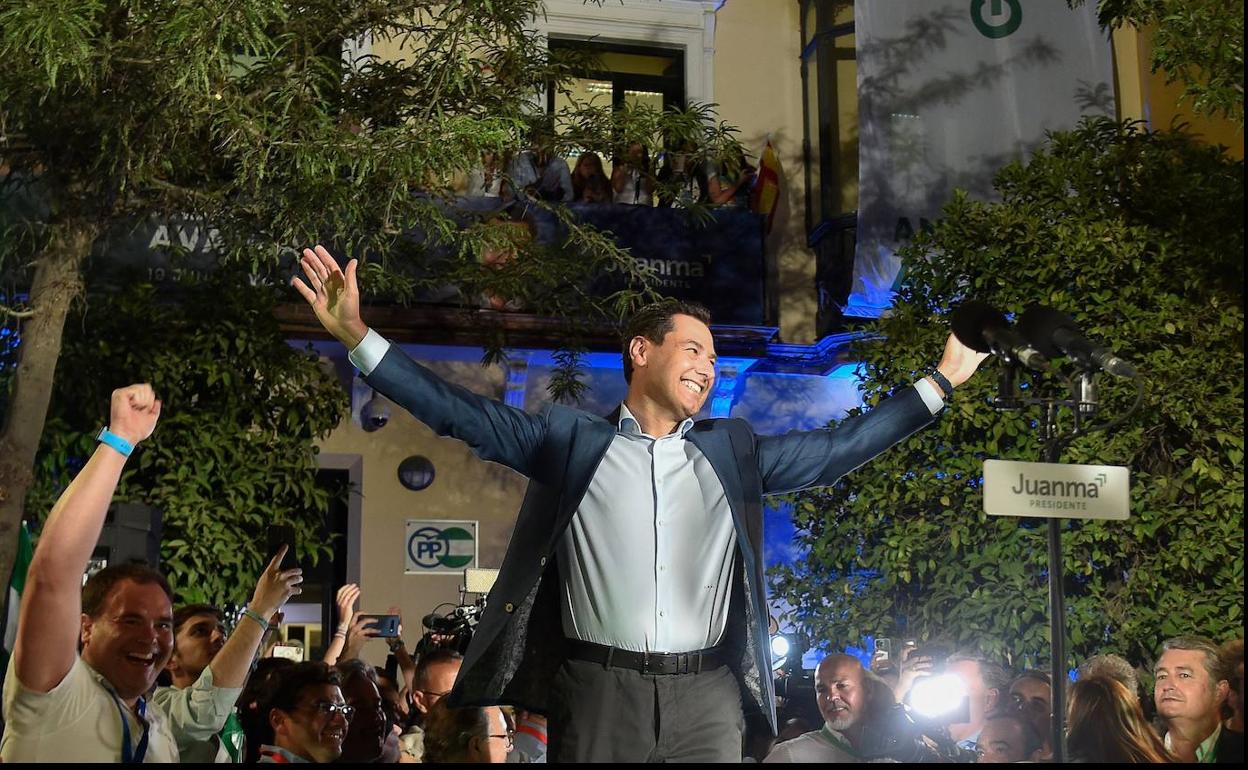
[{"x": 600, "y": 714}]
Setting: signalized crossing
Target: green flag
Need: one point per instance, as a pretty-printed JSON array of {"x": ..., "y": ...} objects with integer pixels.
[{"x": 25, "y": 552}]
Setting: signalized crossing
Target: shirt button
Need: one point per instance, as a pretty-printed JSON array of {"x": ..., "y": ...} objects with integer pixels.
[
  {"x": 509, "y": 608},
  {"x": 661, "y": 614},
  {"x": 542, "y": 561}
]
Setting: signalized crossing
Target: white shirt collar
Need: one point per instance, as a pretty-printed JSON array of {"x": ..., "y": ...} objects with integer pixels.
[{"x": 628, "y": 424}]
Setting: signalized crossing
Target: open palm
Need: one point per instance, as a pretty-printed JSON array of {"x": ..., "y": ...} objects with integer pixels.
[{"x": 333, "y": 295}]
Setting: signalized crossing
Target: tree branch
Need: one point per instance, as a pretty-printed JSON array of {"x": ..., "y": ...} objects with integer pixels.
[{"x": 8, "y": 311}]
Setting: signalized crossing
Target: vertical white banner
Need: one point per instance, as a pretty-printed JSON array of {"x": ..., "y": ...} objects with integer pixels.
[{"x": 949, "y": 92}]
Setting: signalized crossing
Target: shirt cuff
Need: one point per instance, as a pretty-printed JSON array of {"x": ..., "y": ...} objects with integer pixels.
[
  {"x": 366, "y": 355},
  {"x": 927, "y": 391}
]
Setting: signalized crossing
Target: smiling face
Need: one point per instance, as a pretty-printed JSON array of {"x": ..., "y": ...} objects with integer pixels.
[
  {"x": 840, "y": 691},
  {"x": 196, "y": 643},
  {"x": 1184, "y": 689},
  {"x": 308, "y": 730},
  {"x": 676, "y": 375},
  {"x": 131, "y": 638}
]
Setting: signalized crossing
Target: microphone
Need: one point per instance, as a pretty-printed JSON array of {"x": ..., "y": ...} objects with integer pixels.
[
  {"x": 983, "y": 328},
  {"x": 1054, "y": 333},
  {"x": 440, "y": 624}
]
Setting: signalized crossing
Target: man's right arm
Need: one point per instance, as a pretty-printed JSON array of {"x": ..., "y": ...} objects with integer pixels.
[
  {"x": 494, "y": 431},
  {"x": 48, "y": 626}
]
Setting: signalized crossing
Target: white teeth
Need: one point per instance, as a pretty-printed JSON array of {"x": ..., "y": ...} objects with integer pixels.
[{"x": 696, "y": 388}]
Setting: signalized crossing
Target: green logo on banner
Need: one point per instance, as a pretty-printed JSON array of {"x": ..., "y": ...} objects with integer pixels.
[
  {"x": 460, "y": 547},
  {"x": 450, "y": 548},
  {"x": 996, "y": 30}
]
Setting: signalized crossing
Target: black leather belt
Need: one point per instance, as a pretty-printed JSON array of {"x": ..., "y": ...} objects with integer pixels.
[{"x": 647, "y": 662}]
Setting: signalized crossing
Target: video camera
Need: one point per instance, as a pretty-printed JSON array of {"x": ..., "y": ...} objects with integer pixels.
[
  {"x": 918, "y": 731},
  {"x": 452, "y": 630}
]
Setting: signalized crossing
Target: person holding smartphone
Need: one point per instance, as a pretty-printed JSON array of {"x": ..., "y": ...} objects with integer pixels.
[{"x": 209, "y": 671}]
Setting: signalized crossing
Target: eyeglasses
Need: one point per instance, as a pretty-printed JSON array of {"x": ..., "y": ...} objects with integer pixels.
[
  {"x": 510, "y": 737},
  {"x": 326, "y": 708}
]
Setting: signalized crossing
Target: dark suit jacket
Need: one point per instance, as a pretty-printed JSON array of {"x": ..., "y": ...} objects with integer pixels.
[
  {"x": 1229, "y": 750},
  {"x": 519, "y": 643}
]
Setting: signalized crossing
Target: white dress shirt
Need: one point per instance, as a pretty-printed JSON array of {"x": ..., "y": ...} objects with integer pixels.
[{"x": 646, "y": 562}]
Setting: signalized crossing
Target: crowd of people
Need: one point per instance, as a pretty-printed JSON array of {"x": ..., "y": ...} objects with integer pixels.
[
  {"x": 111, "y": 671},
  {"x": 975, "y": 709},
  {"x": 683, "y": 176}
]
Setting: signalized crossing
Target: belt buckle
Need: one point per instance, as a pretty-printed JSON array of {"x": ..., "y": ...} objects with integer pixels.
[{"x": 645, "y": 661}]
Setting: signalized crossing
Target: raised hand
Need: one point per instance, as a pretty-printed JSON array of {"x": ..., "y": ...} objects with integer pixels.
[
  {"x": 134, "y": 412},
  {"x": 275, "y": 586},
  {"x": 333, "y": 295},
  {"x": 347, "y": 596},
  {"x": 361, "y": 631},
  {"x": 959, "y": 362}
]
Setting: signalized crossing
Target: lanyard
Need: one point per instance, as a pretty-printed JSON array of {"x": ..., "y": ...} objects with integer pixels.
[{"x": 129, "y": 754}]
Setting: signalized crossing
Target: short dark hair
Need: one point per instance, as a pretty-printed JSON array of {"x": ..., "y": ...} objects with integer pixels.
[
  {"x": 1032, "y": 740},
  {"x": 100, "y": 585},
  {"x": 186, "y": 612},
  {"x": 654, "y": 321},
  {"x": 354, "y": 667},
  {"x": 292, "y": 681},
  {"x": 1031, "y": 673},
  {"x": 431, "y": 659},
  {"x": 448, "y": 731}
]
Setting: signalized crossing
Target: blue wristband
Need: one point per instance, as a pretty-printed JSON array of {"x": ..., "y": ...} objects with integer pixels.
[{"x": 106, "y": 436}]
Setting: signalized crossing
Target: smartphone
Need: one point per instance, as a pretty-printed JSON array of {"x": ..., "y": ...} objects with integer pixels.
[
  {"x": 387, "y": 625},
  {"x": 883, "y": 648},
  {"x": 281, "y": 535}
]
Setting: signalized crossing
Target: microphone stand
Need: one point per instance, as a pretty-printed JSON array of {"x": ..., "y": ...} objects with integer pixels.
[{"x": 1082, "y": 405}]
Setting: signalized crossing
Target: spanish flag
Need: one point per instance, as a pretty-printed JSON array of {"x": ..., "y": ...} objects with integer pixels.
[{"x": 766, "y": 192}]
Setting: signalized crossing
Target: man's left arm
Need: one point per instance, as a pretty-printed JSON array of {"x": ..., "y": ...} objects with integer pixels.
[{"x": 801, "y": 459}]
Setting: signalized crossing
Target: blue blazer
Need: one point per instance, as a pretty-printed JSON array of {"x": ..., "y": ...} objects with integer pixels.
[{"x": 519, "y": 643}]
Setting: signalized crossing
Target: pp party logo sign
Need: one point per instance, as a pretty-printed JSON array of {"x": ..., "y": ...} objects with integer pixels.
[{"x": 440, "y": 547}]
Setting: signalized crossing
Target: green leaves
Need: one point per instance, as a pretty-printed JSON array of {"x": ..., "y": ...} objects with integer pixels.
[
  {"x": 234, "y": 449},
  {"x": 1139, "y": 235}
]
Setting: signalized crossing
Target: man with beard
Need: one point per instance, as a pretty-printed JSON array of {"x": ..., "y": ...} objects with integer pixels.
[
  {"x": 849, "y": 698},
  {"x": 61, "y": 706},
  {"x": 308, "y": 716}
]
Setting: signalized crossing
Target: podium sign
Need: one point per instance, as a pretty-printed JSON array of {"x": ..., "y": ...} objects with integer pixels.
[{"x": 1056, "y": 490}]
